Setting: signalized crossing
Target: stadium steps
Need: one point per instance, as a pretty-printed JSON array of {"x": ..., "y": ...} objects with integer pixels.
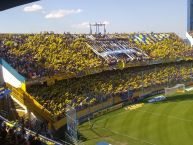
[
  {"x": 4, "y": 113},
  {"x": 30, "y": 103},
  {"x": 35, "y": 123},
  {"x": 17, "y": 108},
  {"x": 2, "y": 105},
  {"x": 16, "y": 105},
  {"x": 6, "y": 108},
  {"x": 13, "y": 114}
]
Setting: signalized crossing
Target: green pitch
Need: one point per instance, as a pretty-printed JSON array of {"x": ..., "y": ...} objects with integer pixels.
[{"x": 164, "y": 123}]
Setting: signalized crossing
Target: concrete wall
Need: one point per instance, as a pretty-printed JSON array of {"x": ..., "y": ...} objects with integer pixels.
[
  {"x": 9, "y": 78},
  {"x": 9, "y": 75}
]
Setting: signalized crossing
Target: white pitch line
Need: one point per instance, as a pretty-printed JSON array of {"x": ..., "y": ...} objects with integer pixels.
[
  {"x": 169, "y": 116},
  {"x": 139, "y": 140},
  {"x": 155, "y": 114}
]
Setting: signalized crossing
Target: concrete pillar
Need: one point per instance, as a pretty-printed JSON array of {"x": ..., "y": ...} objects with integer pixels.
[{"x": 1, "y": 76}]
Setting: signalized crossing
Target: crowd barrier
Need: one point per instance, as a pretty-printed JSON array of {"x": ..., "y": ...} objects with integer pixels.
[
  {"x": 107, "y": 110},
  {"x": 60, "y": 123}
]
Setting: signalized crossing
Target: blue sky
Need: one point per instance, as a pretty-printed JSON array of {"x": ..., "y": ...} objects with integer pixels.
[{"x": 74, "y": 15}]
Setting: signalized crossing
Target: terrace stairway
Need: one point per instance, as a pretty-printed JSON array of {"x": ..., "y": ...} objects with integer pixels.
[
  {"x": 7, "y": 108},
  {"x": 31, "y": 104}
]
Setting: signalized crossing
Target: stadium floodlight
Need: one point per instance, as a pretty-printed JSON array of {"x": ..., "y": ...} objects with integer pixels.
[{"x": 97, "y": 26}]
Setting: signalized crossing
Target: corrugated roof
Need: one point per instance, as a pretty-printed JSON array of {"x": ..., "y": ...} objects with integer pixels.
[{"x": 7, "y": 4}]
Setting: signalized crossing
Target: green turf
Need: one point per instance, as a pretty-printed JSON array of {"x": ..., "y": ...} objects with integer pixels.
[{"x": 165, "y": 123}]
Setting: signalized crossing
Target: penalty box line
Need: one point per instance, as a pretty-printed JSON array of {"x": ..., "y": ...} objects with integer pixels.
[
  {"x": 133, "y": 138},
  {"x": 117, "y": 133}
]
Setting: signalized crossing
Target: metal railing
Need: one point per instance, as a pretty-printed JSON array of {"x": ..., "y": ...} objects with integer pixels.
[{"x": 42, "y": 138}]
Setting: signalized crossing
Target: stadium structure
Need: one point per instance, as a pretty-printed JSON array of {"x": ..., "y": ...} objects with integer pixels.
[
  {"x": 52, "y": 82},
  {"x": 45, "y": 73},
  {"x": 189, "y": 21},
  {"x": 11, "y": 4},
  {"x": 190, "y": 15}
]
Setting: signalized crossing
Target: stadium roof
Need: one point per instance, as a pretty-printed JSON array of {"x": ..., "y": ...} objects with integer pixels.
[{"x": 7, "y": 4}]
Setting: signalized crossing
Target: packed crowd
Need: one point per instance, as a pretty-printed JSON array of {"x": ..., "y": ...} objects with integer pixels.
[
  {"x": 89, "y": 89},
  {"x": 149, "y": 38},
  {"x": 36, "y": 125},
  {"x": 47, "y": 54},
  {"x": 37, "y": 55},
  {"x": 17, "y": 136},
  {"x": 172, "y": 47}
]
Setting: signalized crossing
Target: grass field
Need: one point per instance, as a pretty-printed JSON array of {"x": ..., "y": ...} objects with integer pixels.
[{"x": 164, "y": 123}]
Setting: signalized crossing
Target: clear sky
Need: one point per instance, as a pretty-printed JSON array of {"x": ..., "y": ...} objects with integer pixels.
[{"x": 74, "y": 15}]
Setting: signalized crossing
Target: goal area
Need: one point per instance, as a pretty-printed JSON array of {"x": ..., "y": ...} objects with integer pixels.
[{"x": 179, "y": 88}]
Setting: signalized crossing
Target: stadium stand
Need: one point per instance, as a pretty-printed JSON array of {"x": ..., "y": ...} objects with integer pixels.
[
  {"x": 95, "y": 89},
  {"x": 47, "y": 54},
  {"x": 140, "y": 62},
  {"x": 171, "y": 47},
  {"x": 149, "y": 38}
]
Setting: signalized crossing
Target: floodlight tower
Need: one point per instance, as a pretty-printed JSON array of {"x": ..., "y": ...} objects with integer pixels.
[{"x": 97, "y": 28}]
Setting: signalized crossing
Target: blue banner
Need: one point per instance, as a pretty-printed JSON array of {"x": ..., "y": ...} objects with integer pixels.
[{"x": 4, "y": 93}]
